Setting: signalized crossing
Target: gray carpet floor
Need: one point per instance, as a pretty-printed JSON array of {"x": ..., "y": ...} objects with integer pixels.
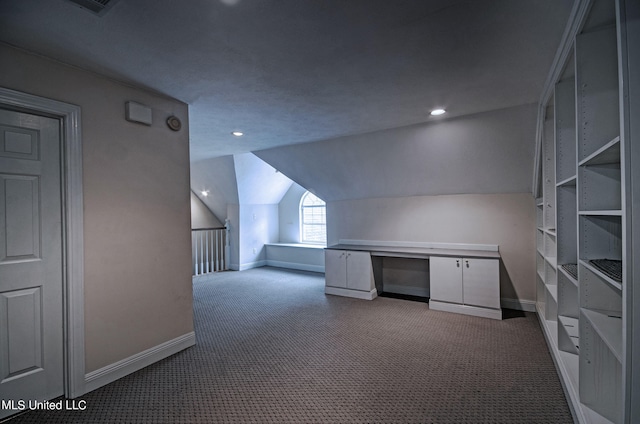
[{"x": 273, "y": 348}]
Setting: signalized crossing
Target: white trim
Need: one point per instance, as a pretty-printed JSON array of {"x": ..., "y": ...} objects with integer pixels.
[
  {"x": 536, "y": 189},
  {"x": 249, "y": 265},
  {"x": 570, "y": 391},
  {"x": 73, "y": 228},
  {"x": 406, "y": 290},
  {"x": 476, "y": 311},
  {"x": 298, "y": 245},
  {"x": 301, "y": 207},
  {"x": 518, "y": 304},
  {"x": 576, "y": 18},
  {"x": 110, "y": 373},
  {"x": 425, "y": 245},
  {"x": 295, "y": 265},
  {"x": 358, "y": 294}
]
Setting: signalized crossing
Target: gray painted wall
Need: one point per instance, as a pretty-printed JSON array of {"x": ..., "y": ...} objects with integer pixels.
[
  {"x": 218, "y": 177},
  {"x": 241, "y": 187},
  {"x": 289, "y": 214},
  {"x": 507, "y": 220},
  {"x": 462, "y": 180},
  {"x": 137, "y": 281},
  {"x": 485, "y": 153},
  {"x": 258, "y": 226},
  {"x": 258, "y": 182}
]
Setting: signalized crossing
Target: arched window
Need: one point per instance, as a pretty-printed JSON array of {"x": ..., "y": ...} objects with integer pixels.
[{"x": 313, "y": 219}]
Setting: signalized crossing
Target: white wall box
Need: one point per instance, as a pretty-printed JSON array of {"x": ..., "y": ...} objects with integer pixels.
[
  {"x": 584, "y": 275},
  {"x": 349, "y": 273},
  {"x": 465, "y": 285}
]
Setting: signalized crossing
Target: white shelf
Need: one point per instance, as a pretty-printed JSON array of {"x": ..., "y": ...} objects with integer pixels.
[
  {"x": 592, "y": 416},
  {"x": 571, "y": 324},
  {"x": 571, "y": 181},
  {"x": 571, "y": 327},
  {"x": 609, "y": 327},
  {"x": 552, "y": 261},
  {"x": 607, "y": 154},
  {"x": 571, "y": 366},
  {"x": 553, "y": 290},
  {"x": 615, "y": 212},
  {"x": 569, "y": 276},
  {"x": 584, "y": 177},
  {"x": 613, "y": 283}
]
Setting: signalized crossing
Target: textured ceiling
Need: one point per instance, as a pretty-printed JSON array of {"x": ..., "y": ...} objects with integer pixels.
[{"x": 293, "y": 71}]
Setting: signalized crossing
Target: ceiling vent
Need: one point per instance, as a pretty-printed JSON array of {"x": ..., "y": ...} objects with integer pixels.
[{"x": 99, "y": 7}]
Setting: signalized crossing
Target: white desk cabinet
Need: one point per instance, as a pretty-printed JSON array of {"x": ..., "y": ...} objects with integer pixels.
[
  {"x": 349, "y": 273},
  {"x": 465, "y": 285}
]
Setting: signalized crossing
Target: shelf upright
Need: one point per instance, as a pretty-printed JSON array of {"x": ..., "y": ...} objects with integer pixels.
[
  {"x": 600, "y": 218},
  {"x": 566, "y": 214},
  {"x": 549, "y": 276}
]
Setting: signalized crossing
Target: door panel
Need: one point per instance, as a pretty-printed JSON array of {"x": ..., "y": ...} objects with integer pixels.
[
  {"x": 359, "y": 271},
  {"x": 31, "y": 323},
  {"x": 445, "y": 277},
  {"x": 20, "y": 333},
  {"x": 482, "y": 283},
  {"x": 19, "y": 217},
  {"x": 335, "y": 268},
  {"x": 20, "y": 143}
]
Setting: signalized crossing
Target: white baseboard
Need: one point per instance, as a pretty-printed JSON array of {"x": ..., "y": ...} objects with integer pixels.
[
  {"x": 295, "y": 265},
  {"x": 358, "y": 294},
  {"x": 465, "y": 309},
  {"x": 249, "y": 265},
  {"x": 518, "y": 305},
  {"x": 110, "y": 373},
  {"x": 406, "y": 290}
]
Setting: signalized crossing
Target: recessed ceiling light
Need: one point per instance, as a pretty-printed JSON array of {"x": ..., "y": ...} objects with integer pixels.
[
  {"x": 237, "y": 133},
  {"x": 436, "y": 112},
  {"x": 205, "y": 193}
]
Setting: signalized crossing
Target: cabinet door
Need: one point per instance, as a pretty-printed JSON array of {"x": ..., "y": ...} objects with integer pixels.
[
  {"x": 481, "y": 283},
  {"x": 335, "y": 263},
  {"x": 445, "y": 276},
  {"x": 359, "y": 271}
]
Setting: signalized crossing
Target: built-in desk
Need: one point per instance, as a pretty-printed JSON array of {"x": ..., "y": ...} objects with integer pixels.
[{"x": 461, "y": 278}]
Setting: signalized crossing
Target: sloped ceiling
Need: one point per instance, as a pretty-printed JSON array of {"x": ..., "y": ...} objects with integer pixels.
[
  {"x": 258, "y": 182},
  {"x": 489, "y": 152},
  {"x": 241, "y": 179},
  {"x": 294, "y": 71},
  {"x": 217, "y": 177}
]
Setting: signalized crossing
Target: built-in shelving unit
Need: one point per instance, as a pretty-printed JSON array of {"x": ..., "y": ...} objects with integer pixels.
[{"x": 581, "y": 219}]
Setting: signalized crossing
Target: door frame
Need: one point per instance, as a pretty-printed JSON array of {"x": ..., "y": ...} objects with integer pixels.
[{"x": 72, "y": 224}]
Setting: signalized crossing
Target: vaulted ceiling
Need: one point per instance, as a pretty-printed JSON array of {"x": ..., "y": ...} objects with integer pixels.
[{"x": 295, "y": 71}]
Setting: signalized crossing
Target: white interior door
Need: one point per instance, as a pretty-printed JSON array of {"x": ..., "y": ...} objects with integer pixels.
[{"x": 31, "y": 302}]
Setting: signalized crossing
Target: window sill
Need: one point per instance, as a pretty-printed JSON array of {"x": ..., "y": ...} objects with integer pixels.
[{"x": 298, "y": 245}]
